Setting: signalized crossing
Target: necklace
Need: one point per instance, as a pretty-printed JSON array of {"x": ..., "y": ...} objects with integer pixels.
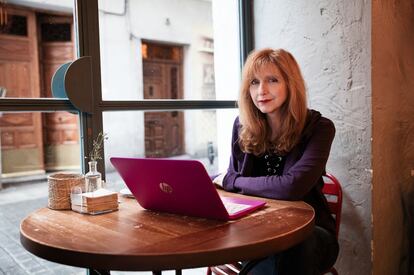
[{"x": 274, "y": 164}]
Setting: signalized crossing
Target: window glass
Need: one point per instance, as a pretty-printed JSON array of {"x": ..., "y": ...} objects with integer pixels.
[
  {"x": 33, "y": 144},
  {"x": 34, "y": 42},
  {"x": 13, "y": 24},
  {"x": 202, "y": 135},
  {"x": 165, "y": 50}
]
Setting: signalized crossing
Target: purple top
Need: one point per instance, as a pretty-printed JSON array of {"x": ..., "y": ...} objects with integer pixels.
[{"x": 302, "y": 172}]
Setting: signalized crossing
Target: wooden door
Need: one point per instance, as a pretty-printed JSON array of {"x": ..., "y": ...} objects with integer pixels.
[
  {"x": 60, "y": 129},
  {"x": 21, "y": 133},
  {"x": 164, "y": 131}
]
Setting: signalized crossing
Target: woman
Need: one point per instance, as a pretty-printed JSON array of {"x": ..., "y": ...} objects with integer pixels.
[{"x": 279, "y": 150}]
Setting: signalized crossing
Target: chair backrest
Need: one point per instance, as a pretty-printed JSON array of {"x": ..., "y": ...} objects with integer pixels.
[{"x": 333, "y": 192}]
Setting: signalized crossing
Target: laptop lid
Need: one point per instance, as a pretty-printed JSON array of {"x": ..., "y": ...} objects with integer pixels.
[{"x": 177, "y": 186}]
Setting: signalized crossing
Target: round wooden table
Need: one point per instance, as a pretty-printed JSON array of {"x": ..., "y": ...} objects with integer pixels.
[{"x": 134, "y": 239}]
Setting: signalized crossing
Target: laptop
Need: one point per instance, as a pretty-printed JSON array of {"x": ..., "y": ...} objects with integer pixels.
[{"x": 179, "y": 187}]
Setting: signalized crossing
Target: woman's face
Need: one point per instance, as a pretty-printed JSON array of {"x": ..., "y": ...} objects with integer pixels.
[{"x": 268, "y": 90}]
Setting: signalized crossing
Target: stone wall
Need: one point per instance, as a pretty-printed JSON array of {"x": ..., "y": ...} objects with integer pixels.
[{"x": 331, "y": 40}]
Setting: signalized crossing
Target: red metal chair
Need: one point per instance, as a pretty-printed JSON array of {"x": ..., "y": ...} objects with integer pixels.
[
  {"x": 226, "y": 269},
  {"x": 333, "y": 192}
]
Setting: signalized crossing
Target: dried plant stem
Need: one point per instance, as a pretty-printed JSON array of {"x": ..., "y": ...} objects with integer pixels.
[{"x": 95, "y": 154}]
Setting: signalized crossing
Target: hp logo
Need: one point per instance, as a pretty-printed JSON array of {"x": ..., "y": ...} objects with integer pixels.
[{"x": 166, "y": 188}]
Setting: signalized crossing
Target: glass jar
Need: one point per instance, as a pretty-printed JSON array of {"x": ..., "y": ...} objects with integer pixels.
[{"x": 93, "y": 179}]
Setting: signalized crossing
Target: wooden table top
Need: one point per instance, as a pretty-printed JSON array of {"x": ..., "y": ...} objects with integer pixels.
[{"x": 135, "y": 239}]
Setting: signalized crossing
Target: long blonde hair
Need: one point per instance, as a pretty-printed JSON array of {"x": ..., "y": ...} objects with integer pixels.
[{"x": 255, "y": 132}]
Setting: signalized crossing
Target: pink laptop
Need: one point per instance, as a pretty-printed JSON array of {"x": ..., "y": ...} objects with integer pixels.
[{"x": 180, "y": 187}]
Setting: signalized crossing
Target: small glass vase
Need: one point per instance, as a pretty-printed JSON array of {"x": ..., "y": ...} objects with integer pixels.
[{"x": 93, "y": 179}]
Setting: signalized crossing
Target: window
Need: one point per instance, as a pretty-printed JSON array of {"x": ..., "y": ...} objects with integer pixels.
[
  {"x": 161, "y": 58},
  {"x": 34, "y": 44},
  {"x": 154, "y": 58},
  {"x": 14, "y": 25}
]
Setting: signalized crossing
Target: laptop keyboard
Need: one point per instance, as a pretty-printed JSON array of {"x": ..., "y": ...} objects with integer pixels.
[{"x": 232, "y": 207}]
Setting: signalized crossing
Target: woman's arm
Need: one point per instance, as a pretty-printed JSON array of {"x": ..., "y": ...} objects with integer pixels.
[
  {"x": 300, "y": 178},
  {"x": 234, "y": 170}
]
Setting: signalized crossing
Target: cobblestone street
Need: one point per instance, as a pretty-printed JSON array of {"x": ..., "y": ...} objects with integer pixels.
[{"x": 14, "y": 259}]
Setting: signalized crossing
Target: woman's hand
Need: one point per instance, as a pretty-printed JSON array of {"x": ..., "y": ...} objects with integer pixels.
[{"x": 218, "y": 181}]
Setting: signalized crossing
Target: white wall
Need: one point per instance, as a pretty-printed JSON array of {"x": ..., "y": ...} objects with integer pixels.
[
  {"x": 121, "y": 71},
  {"x": 227, "y": 71},
  {"x": 331, "y": 41}
]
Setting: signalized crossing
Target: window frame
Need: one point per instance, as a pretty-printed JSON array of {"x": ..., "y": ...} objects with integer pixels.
[{"x": 246, "y": 29}]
